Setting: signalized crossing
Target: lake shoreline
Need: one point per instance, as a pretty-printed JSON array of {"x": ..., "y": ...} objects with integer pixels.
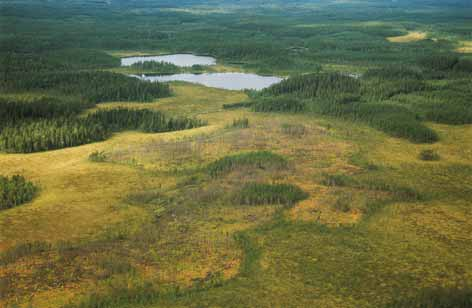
[{"x": 193, "y": 69}]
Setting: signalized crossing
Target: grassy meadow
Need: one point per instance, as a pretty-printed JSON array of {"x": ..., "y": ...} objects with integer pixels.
[
  {"x": 327, "y": 190},
  {"x": 151, "y": 213}
]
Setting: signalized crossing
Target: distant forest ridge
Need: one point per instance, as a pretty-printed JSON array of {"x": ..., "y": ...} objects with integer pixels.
[{"x": 246, "y": 3}]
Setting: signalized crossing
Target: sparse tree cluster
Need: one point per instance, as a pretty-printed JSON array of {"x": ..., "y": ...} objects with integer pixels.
[
  {"x": 156, "y": 66},
  {"x": 14, "y": 191}
]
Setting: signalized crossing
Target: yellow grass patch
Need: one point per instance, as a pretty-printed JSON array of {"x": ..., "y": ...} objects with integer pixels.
[
  {"x": 453, "y": 147},
  {"x": 412, "y": 36},
  {"x": 466, "y": 47},
  {"x": 319, "y": 209},
  {"x": 75, "y": 196}
]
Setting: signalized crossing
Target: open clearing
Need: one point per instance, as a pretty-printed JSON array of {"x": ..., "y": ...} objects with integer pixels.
[
  {"x": 412, "y": 36},
  {"x": 87, "y": 205},
  {"x": 466, "y": 47}
]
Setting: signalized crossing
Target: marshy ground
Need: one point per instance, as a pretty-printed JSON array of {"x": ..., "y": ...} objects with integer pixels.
[{"x": 151, "y": 212}]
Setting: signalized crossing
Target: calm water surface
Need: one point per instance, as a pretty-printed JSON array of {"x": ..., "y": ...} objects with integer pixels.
[
  {"x": 182, "y": 60},
  {"x": 228, "y": 81}
]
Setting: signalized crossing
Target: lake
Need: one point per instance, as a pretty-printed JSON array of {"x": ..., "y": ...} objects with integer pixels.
[
  {"x": 182, "y": 60},
  {"x": 228, "y": 81}
]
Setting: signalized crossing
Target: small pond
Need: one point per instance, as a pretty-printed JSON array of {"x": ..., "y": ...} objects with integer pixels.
[
  {"x": 182, "y": 60},
  {"x": 228, "y": 81}
]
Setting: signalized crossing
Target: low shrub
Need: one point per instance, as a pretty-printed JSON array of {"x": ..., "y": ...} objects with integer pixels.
[
  {"x": 429, "y": 155},
  {"x": 294, "y": 130},
  {"x": 114, "y": 264},
  {"x": 256, "y": 193},
  {"x": 145, "y": 197},
  {"x": 240, "y": 123},
  {"x": 98, "y": 156},
  {"x": 259, "y": 159},
  {"x": 343, "y": 203},
  {"x": 337, "y": 180}
]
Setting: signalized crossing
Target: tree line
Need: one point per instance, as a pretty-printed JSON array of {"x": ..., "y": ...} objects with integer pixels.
[
  {"x": 50, "y": 134},
  {"x": 96, "y": 86},
  {"x": 351, "y": 98},
  {"x": 14, "y": 110},
  {"x": 315, "y": 85},
  {"x": 141, "y": 119},
  {"x": 62, "y": 132}
]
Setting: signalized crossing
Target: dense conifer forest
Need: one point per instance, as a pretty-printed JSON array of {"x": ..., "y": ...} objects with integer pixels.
[
  {"x": 372, "y": 98},
  {"x": 92, "y": 86},
  {"x": 62, "y": 132}
]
